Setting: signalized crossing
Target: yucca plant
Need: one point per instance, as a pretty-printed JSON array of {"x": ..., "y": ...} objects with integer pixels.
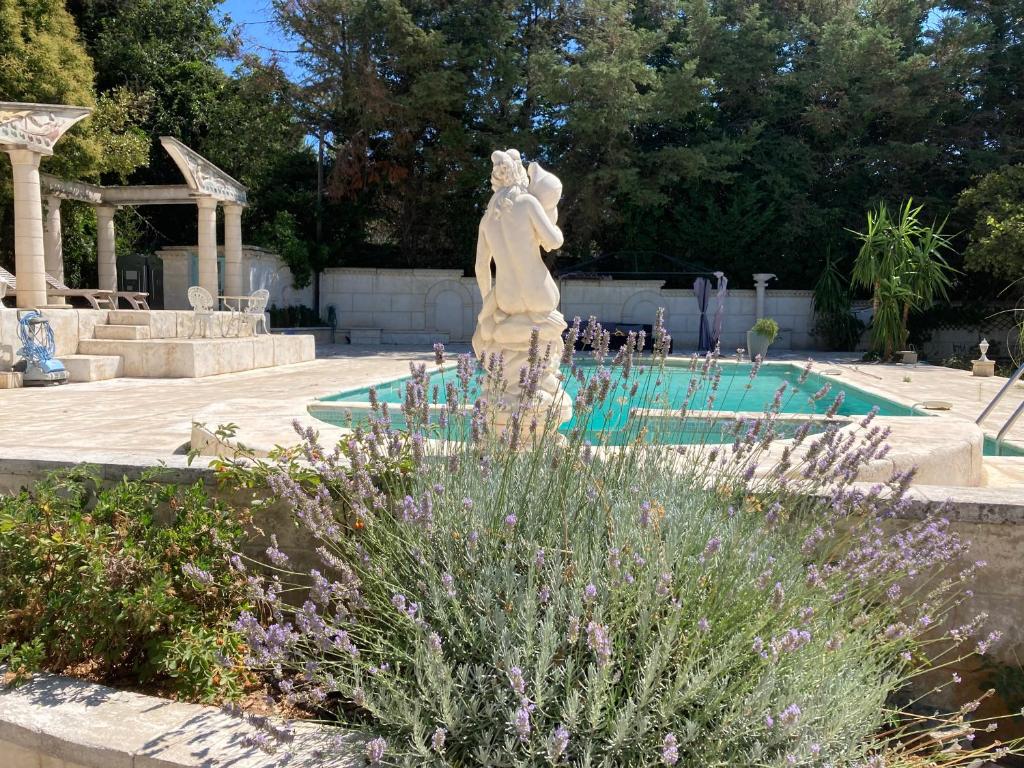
[{"x": 901, "y": 260}]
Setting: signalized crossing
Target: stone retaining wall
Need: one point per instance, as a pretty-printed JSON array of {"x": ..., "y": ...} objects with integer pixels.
[
  {"x": 59, "y": 722},
  {"x": 992, "y": 519}
]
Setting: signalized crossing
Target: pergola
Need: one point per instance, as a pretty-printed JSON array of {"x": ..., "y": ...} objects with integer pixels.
[{"x": 29, "y": 131}]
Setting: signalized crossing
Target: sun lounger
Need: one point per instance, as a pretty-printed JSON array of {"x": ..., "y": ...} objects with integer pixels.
[
  {"x": 98, "y": 299},
  {"x": 136, "y": 299}
]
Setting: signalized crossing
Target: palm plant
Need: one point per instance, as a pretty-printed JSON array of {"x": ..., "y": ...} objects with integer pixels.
[
  {"x": 832, "y": 303},
  {"x": 901, "y": 261}
]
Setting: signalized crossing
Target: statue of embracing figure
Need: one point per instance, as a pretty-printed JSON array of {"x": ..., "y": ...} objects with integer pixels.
[{"x": 520, "y": 220}]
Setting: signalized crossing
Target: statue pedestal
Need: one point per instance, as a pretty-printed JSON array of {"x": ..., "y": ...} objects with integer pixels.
[{"x": 983, "y": 367}]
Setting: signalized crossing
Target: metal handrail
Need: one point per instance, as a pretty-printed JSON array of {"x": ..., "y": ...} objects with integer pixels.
[
  {"x": 999, "y": 396},
  {"x": 1009, "y": 425}
]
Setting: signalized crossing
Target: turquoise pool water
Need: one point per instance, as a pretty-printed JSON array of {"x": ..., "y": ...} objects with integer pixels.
[
  {"x": 737, "y": 391},
  {"x": 1006, "y": 449}
]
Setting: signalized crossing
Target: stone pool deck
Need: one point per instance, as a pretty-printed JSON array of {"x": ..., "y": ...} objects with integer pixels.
[{"x": 154, "y": 417}]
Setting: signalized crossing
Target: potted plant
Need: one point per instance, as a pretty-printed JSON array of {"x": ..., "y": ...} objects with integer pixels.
[{"x": 761, "y": 336}]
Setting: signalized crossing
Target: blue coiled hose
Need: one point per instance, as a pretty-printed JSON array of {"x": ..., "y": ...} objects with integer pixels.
[{"x": 31, "y": 350}]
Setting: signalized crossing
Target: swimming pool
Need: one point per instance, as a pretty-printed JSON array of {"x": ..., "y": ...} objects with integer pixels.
[{"x": 738, "y": 391}]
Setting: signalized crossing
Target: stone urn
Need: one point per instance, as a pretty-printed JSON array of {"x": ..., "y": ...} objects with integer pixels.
[
  {"x": 757, "y": 344},
  {"x": 761, "y": 336}
]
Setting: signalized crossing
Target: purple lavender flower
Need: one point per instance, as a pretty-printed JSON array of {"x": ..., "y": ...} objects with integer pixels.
[
  {"x": 670, "y": 749},
  {"x": 599, "y": 642},
  {"x": 589, "y": 593},
  {"x": 197, "y": 574},
  {"x": 437, "y": 740},
  {"x": 511, "y": 520},
  {"x": 645, "y": 514},
  {"x": 517, "y": 681},
  {"x": 275, "y": 555},
  {"x": 558, "y": 742},
  {"x": 448, "y": 582},
  {"x": 664, "y": 583},
  {"x": 375, "y": 751},
  {"x": 521, "y": 722},
  {"x": 789, "y": 715},
  {"x": 439, "y": 353},
  {"x": 704, "y": 625},
  {"x": 434, "y": 642}
]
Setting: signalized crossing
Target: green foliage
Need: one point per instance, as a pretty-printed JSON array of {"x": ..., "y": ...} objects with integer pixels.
[
  {"x": 766, "y": 327},
  {"x": 995, "y": 208},
  {"x": 294, "y": 316},
  {"x": 280, "y": 234},
  {"x": 833, "y": 320},
  {"x": 93, "y": 576},
  {"x": 901, "y": 261},
  {"x": 734, "y": 134}
]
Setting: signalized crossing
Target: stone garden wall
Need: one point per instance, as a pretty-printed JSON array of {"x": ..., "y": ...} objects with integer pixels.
[
  {"x": 420, "y": 306},
  {"x": 260, "y": 269}
]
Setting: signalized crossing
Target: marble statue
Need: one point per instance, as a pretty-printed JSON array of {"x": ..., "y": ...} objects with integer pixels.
[{"x": 520, "y": 220}]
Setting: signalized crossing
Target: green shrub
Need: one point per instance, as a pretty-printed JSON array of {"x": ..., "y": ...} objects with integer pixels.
[
  {"x": 294, "y": 316},
  {"x": 90, "y": 577},
  {"x": 766, "y": 327},
  {"x": 509, "y": 599}
]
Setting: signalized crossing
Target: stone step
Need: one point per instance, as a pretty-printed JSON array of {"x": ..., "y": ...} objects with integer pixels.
[
  {"x": 122, "y": 332},
  {"x": 93, "y": 367},
  {"x": 162, "y": 324},
  {"x": 195, "y": 358},
  {"x": 128, "y": 317}
]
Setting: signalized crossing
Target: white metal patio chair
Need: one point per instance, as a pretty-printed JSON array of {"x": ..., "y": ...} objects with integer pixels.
[
  {"x": 202, "y": 310},
  {"x": 254, "y": 311}
]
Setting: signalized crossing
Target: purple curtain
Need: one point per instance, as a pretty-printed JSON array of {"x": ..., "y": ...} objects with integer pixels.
[
  {"x": 701, "y": 289},
  {"x": 720, "y": 293}
]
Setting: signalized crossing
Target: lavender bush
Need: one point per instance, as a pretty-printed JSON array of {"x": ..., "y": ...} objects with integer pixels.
[{"x": 509, "y": 597}]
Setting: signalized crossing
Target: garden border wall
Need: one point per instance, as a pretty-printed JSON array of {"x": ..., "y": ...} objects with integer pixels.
[
  {"x": 991, "y": 518},
  {"x": 53, "y": 721}
]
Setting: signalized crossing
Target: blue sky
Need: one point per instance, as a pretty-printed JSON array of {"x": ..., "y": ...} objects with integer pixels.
[{"x": 260, "y": 34}]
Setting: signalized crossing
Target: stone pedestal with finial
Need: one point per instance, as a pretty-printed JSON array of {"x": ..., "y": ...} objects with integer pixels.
[{"x": 983, "y": 366}]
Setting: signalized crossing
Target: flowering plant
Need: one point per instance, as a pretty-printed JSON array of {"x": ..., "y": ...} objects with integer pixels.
[{"x": 523, "y": 598}]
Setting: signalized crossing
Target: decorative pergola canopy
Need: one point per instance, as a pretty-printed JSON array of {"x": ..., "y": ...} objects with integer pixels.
[
  {"x": 203, "y": 177},
  {"x": 36, "y": 127}
]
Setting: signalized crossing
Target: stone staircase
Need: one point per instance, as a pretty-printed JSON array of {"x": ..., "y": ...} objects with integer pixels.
[
  {"x": 156, "y": 344},
  {"x": 103, "y": 363}
]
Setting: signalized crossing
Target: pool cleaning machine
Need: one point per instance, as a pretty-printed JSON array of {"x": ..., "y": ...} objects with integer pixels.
[{"x": 39, "y": 367}]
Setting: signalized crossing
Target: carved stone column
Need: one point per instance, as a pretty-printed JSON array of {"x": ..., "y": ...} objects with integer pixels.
[
  {"x": 28, "y": 131},
  {"x": 29, "y": 248},
  {"x": 232, "y": 249},
  {"x": 106, "y": 250},
  {"x": 207, "y": 211},
  {"x": 760, "y": 285},
  {"x": 53, "y": 247}
]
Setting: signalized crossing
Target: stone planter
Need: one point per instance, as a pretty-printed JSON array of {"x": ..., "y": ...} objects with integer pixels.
[{"x": 757, "y": 344}]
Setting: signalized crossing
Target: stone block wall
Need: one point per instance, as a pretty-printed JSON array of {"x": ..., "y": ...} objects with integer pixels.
[
  {"x": 424, "y": 305},
  {"x": 260, "y": 269}
]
